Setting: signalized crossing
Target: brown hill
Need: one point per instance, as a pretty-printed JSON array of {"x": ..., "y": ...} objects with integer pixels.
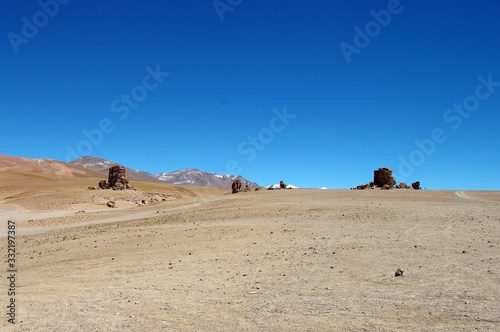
[
  {"x": 50, "y": 168},
  {"x": 47, "y": 184}
]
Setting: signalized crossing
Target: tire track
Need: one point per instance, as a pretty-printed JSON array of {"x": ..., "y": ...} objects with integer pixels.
[{"x": 462, "y": 194}]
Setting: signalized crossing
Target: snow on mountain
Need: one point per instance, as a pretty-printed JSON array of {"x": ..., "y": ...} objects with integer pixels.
[
  {"x": 190, "y": 176},
  {"x": 196, "y": 177},
  {"x": 103, "y": 165}
]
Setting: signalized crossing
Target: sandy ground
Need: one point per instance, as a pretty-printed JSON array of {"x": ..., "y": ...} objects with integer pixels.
[{"x": 290, "y": 260}]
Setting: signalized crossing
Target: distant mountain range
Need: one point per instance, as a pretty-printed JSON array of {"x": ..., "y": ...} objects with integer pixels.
[
  {"x": 93, "y": 167},
  {"x": 196, "y": 177},
  {"x": 103, "y": 165},
  {"x": 187, "y": 177}
]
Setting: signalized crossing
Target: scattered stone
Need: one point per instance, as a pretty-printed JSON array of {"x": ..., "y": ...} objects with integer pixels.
[
  {"x": 416, "y": 185},
  {"x": 366, "y": 186},
  {"x": 402, "y": 185},
  {"x": 386, "y": 187},
  {"x": 399, "y": 272},
  {"x": 111, "y": 204}
]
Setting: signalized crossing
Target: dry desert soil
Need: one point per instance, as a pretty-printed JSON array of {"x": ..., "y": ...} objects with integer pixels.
[{"x": 284, "y": 260}]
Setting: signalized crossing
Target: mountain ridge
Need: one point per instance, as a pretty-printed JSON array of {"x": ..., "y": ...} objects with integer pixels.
[
  {"x": 103, "y": 165},
  {"x": 197, "y": 177},
  {"x": 186, "y": 177},
  {"x": 48, "y": 167}
]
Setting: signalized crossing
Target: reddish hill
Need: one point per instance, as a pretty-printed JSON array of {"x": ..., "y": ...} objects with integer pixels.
[{"x": 47, "y": 167}]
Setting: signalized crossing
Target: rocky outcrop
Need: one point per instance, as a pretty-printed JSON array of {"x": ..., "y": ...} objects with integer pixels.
[
  {"x": 117, "y": 179},
  {"x": 236, "y": 186},
  {"x": 282, "y": 185},
  {"x": 364, "y": 187},
  {"x": 383, "y": 176}
]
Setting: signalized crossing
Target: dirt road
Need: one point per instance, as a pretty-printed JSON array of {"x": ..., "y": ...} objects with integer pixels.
[{"x": 295, "y": 260}]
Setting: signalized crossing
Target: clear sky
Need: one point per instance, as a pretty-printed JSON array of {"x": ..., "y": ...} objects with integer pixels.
[{"x": 313, "y": 93}]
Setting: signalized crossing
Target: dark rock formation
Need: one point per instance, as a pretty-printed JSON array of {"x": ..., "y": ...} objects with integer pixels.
[
  {"x": 236, "y": 186},
  {"x": 402, "y": 185},
  {"x": 416, "y": 185},
  {"x": 282, "y": 185},
  {"x": 117, "y": 179},
  {"x": 370, "y": 185},
  {"x": 383, "y": 176}
]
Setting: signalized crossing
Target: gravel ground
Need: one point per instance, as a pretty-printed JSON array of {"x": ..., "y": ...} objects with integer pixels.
[{"x": 289, "y": 260}]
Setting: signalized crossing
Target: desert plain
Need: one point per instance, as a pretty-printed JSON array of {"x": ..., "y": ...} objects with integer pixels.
[{"x": 203, "y": 259}]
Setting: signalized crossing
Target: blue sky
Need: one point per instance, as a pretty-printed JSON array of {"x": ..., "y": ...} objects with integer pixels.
[{"x": 313, "y": 93}]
